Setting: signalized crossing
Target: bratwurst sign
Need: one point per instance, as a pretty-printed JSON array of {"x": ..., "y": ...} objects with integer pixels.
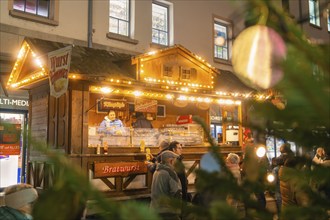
[
  {"x": 119, "y": 169},
  {"x": 59, "y": 67}
]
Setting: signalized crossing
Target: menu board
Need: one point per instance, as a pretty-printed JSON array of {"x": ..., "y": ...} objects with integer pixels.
[{"x": 146, "y": 105}]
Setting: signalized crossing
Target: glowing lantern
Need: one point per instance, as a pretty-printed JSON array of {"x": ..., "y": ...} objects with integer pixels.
[
  {"x": 257, "y": 54},
  {"x": 261, "y": 151},
  {"x": 270, "y": 177}
]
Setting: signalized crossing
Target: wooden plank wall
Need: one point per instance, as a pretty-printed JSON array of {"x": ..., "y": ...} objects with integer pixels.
[
  {"x": 79, "y": 118},
  {"x": 58, "y": 122},
  {"x": 38, "y": 118}
]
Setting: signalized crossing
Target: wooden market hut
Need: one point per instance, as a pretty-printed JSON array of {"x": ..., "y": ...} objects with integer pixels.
[{"x": 175, "y": 77}]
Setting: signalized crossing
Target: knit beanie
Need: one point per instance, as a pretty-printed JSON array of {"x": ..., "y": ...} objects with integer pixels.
[{"x": 20, "y": 195}]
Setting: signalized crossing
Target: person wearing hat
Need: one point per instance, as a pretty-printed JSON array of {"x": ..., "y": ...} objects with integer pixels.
[
  {"x": 18, "y": 200},
  {"x": 165, "y": 187},
  {"x": 152, "y": 164}
]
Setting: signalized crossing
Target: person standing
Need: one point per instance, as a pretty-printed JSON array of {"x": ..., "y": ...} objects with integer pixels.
[
  {"x": 110, "y": 124},
  {"x": 232, "y": 162},
  {"x": 154, "y": 160},
  {"x": 176, "y": 147},
  {"x": 165, "y": 187},
  {"x": 286, "y": 152},
  {"x": 292, "y": 191},
  {"x": 141, "y": 121},
  {"x": 320, "y": 156}
]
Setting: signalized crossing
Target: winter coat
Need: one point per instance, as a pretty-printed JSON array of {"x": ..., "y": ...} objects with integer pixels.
[
  {"x": 142, "y": 122},
  {"x": 235, "y": 170},
  {"x": 280, "y": 160},
  {"x": 112, "y": 124},
  {"x": 180, "y": 170},
  {"x": 165, "y": 186},
  {"x": 292, "y": 194}
]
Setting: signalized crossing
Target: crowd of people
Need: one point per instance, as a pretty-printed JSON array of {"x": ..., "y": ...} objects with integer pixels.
[
  {"x": 292, "y": 191},
  {"x": 244, "y": 168}
]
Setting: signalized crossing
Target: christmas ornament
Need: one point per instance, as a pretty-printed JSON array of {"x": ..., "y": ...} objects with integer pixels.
[{"x": 257, "y": 55}]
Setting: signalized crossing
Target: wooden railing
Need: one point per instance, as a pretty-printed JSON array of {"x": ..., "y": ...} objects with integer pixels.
[{"x": 42, "y": 174}]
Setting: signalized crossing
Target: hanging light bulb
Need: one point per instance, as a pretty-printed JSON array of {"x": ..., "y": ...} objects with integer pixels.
[
  {"x": 270, "y": 177},
  {"x": 261, "y": 151}
]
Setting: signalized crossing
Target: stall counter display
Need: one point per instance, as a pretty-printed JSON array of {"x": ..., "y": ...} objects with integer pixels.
[
  {"x": 187, "y": 134},
  {"x": 119, "y": 139},
  {"x": 148, "y": 135}
]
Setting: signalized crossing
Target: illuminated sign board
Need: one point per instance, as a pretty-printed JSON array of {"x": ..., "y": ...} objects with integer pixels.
[
  {"x": 14, "y": 103},
  {"x": 119, "y": 169}
]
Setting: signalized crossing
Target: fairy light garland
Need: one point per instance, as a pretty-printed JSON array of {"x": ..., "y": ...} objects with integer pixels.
[
  {"x": 180, "y": 97},
  {"x": 22, "y": 55},
  {"x": 219, "y": 97}
]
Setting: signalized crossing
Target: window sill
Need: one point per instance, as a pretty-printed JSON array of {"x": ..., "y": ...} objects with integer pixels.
[
  {"x": 122, "y": 38},
  {"x": 158, "y": 46},
  {"x": 31, "y": 17},
  {"x": 218, "y": 60},
  {"x": 315, "y": 26}
]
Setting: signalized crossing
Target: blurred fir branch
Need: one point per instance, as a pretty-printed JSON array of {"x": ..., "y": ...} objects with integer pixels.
[
  {"x": 305, "y": 86},
  {"x": 67, "y": 198}
]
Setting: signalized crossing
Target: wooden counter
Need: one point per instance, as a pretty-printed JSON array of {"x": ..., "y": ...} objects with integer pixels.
[{"x": 130, "y": 186}]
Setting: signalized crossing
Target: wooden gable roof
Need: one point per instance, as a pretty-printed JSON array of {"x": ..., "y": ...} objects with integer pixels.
[
  {"x": 89, "y": 63},
  {"x": 147, "y": 71},
  {"x": 176, "y": 67},
  {"x": 227, "y": 81}
]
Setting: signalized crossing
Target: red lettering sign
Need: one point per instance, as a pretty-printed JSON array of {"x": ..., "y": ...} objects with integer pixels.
[
  {"x": 184, "y": 119},
  {"x": 119, "y": 169}
]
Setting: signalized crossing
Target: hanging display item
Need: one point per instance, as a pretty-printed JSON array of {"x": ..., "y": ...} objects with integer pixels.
[
  {"x": 257, "y": 55},
  {"x": 59, "y": 67}
]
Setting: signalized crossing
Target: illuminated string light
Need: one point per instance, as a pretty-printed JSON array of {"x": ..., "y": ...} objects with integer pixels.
[{"x": 225, "y": 97}]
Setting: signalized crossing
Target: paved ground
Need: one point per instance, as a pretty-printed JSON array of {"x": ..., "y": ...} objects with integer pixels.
[{"x": 91, "y": 212}]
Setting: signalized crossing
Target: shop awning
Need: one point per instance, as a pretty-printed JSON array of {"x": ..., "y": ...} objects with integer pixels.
[{"x": 227, "y": 81}]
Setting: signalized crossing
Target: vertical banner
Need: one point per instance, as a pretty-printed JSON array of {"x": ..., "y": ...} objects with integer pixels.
[{"x": 59, "y": 67}]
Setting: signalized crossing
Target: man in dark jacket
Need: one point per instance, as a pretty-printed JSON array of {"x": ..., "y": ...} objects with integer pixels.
[
  {"x": 286, "y": 153},
  {"x": 165, "y": 187},
  {"x": 141, "y": 121}
]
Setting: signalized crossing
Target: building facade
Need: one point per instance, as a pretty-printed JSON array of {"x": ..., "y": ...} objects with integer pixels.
[{"x": 134, "y": 27}]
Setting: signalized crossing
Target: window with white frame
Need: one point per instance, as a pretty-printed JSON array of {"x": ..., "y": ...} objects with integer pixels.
[
  {"x": 160, "y": 23},
  {"x": 41, "y": 11},
  {"x": 222, "y": 32},
  {"x": 328, "y": 12},
  {"x": 119, "y": 17},
  {"x": 314, "y": 12},
  {"x": 35, "y": 7}
]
